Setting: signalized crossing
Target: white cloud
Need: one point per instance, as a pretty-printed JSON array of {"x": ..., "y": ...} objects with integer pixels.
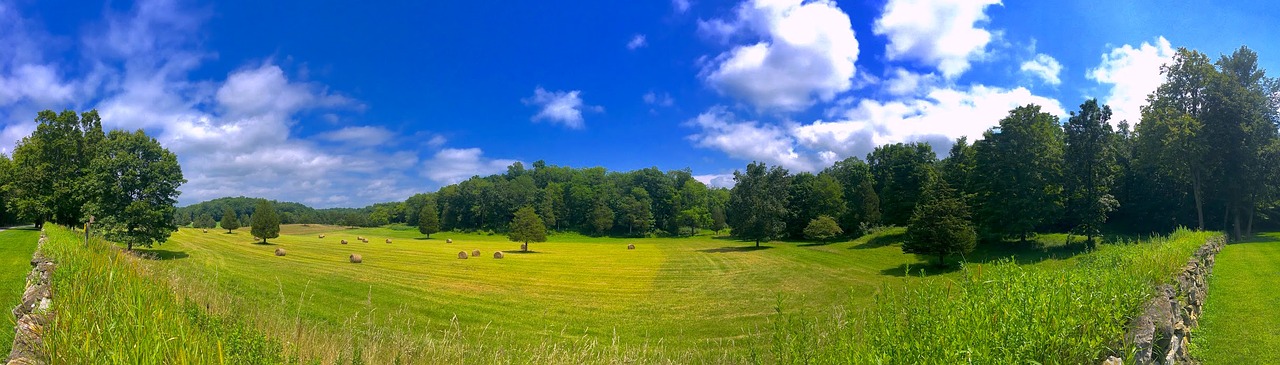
[
  {"x": 716, "y": 180},
  {"x": 747, "y": 140},
  {"x": 451, "y": 165},
  {"x": 1044, "y": 67},
  {"x": 1132, "y": 73},
  {"x": 943, "y": 114},
  {"x": 802, "y": 51},
  {"x": 360, "y": 136},
  {"x": 637, "y": 41},
  {"x": 901, "y": 82},
  {"x": 939, "y": 116},
  {"x": 655, "y": 99},
  {"x": 564, "y": 107},
  {"x": 233, "y": 135},
  {"x": 939, "y": 33},
  {"x": 680, "y": 6}
]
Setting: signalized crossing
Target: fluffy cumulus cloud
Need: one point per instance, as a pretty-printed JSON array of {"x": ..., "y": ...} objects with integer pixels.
[
  {"x": 1131, "y": 73},
  {"x": 233, "y": 136},
  {"x": 1044, "y": 67},
  {"x": 564, "y": 107},
  {"x": 945, "y": 34},
  {"x": 452, "y": 165},
  {"x": 748, "y": 140},
  {"x": 940, "y": 115},
  {"x": 798, "y": 52}
]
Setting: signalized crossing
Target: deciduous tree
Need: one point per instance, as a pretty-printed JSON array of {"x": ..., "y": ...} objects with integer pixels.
[
  {"x": 265, "y": 222},
  {"x": 527, "y": 227}
]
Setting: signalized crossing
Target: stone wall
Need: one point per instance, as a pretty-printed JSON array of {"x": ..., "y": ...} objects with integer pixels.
[
  {"x": 33, "y": 314},
  {"x": 1163, "y": 332}
]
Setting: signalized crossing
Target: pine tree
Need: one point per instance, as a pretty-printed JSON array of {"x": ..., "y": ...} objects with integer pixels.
[
  {"x": 428, "y": 220},
  {"x": 940, "y": 224},
  {"x": 229, "y": 220},
  {"x": 266, "y": 224}
]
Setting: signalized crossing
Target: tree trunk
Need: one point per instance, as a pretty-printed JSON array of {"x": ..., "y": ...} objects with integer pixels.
[
  {"x": 1195, "y": 190},
  {"x": 941, "y": 258},
  {"x": 1248, "y": 228},
  {"x": 757, "y": 242},
  {"x": 525, "y": 247},
  {"x": 1236, "y": 227}
]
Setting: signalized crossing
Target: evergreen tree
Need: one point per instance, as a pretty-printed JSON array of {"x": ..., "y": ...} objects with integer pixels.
[
  {"x": 900, "y": 172},
  {"x": 757, "y": 207},
  {"x": 229, "y": 220},
  {"x": 265, "y": 222},
  {"x": 428, "y": 219},
  {"x": 527, "y": 227},
  {"x": 717, "y": 219},
  {"x": 205, "y": 221},
  {"x": 940, "y": 225}
]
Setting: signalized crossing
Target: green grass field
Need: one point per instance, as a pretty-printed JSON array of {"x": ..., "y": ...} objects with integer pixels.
[
  {"x": 1241, "y": 323},
  {"x": 16, "y": 247},
  {"x": 705, "y": 299}
]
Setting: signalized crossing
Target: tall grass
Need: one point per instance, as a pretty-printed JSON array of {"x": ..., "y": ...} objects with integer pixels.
[
  {"x": 109, "y": 310},
  {"x": 996, "y": 314}
]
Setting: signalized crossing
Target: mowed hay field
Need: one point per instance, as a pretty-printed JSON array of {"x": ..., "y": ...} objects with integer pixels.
[
  {"x": 1241, "y": 319},
  {"x": 679, "y": 299},
  {"x": 16, "y": 247}
]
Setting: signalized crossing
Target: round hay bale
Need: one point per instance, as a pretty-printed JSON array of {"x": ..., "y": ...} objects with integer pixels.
[
  {"x": 355, "y": 258},
  {"x": 279, "y": 252},
  {"x": 631, "y": 246},
  {"x": 462, "y": 255},
  {"x": 475, "y": 253},
  {"x": 344, "y": 242},
  {"x": 359, "y": 238},
  {"x": 448, "y": 240},
  {"x": 205, "y": 231},
  {"x": 321, "y": 236},
  {"x": 497, "y": 255},
  {"x": 524, "y": 246},
  {"x": 388, "y": 240}
]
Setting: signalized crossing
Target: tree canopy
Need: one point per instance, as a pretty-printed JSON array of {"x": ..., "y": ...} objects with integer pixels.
[
  {"x": 265, "y": 223},
  {"x": 527, "y": 227},
  {"x": 131, "y": 186}
]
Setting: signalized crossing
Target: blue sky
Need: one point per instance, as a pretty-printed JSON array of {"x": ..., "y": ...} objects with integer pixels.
[{"x": 351, "y": 103}]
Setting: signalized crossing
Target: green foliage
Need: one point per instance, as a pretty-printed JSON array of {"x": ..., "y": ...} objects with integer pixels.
[
  {"x": 601, "y": 218},
  {"x": 229, "y": 220},
  {"x": 718, "y": 219},
  {"x": 204, "y": 221},
  {"x": 428, "y": 219},
  {"x": 1002, "y": 313},
  {"x": 1090, "y": 169},
  {"x": 51, "y": 167},
  {"x": 812, "y": 196},
  {"x": 822, "y": 228},
  {"x": 265, "y": 223},
  {"x": 757, "y": 207},
  {"x": 527, "y": 227},
  {"x": 900, "y": 172},
  {"x": 1019, "y": 169},
  {"x": 132, "y": 186},
  {"x": 940, "y": 225}
]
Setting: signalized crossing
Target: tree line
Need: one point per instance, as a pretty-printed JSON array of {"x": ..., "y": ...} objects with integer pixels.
[{"x": 1205, "y": 154}]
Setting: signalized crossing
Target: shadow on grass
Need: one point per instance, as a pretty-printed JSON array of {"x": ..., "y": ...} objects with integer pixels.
[
  {"x": 921, "y": 269},
  {"x": 518, "y": 252},
  {"x": 160, "y": 255},
  {"x": 819, "y": 243},
  {"x": 1024, "y": 253},
  {"x": 1269, "y": 237},
  {"x": 425, "y": 239},
  {"x": 880, "y": 241},
  {"x": 735, "y": 249},
  {"x": 260, "y": 243}
]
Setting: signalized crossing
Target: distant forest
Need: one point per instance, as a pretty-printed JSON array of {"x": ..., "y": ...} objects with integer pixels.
[{"x": 1205, "y": 155}]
